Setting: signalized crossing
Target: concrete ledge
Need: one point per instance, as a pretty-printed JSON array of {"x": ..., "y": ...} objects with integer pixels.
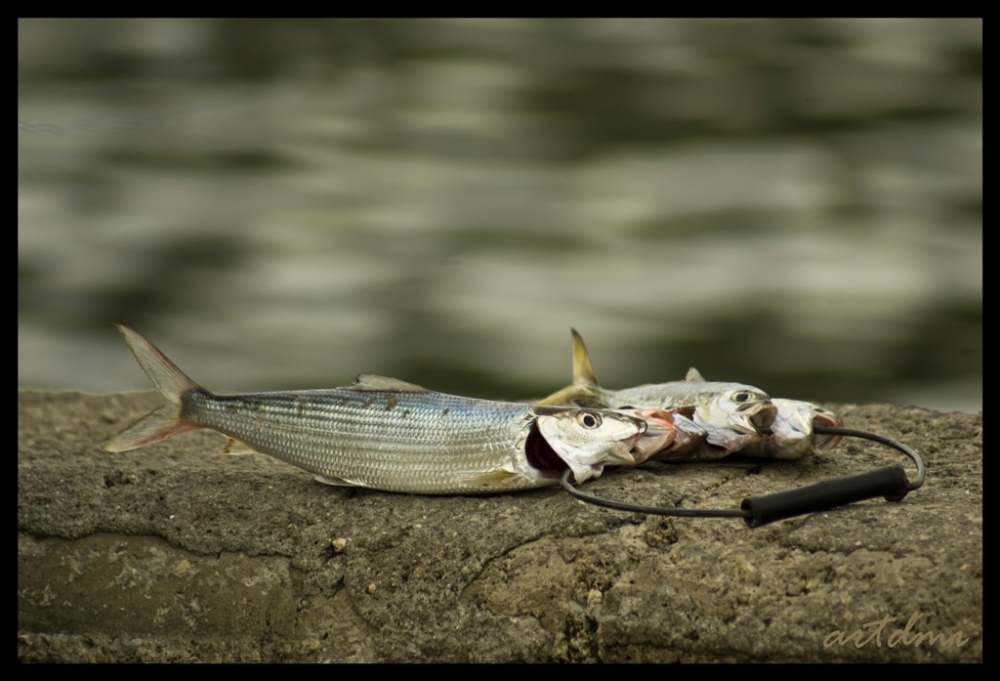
[{"x": 179, "y": 552}]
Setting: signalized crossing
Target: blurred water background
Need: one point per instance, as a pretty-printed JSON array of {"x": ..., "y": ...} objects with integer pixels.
[{"x": 286, "y": 204}]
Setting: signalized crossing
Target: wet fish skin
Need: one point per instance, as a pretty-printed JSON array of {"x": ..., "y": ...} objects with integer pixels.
[{"x": 387, "y": 434}]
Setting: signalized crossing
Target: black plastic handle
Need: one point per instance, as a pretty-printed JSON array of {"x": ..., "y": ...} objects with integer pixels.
[{"x": 889, "y": 482}]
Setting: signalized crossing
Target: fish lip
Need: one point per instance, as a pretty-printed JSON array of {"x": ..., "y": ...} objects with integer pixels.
[{"x": 827, "y": 420}]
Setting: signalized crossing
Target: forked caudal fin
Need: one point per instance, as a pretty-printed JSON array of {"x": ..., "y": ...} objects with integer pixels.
[{"x": 172, "y": 383}]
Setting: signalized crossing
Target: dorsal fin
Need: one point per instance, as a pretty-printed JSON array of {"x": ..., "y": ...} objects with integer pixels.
[
  {"x": 694, "y": 376},
  {"x": 373, "y": 382},
  {"x": 583, "y": 370}
]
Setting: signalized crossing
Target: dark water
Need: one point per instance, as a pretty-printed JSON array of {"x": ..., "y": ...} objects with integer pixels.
[{"x": 285, "y": 204}]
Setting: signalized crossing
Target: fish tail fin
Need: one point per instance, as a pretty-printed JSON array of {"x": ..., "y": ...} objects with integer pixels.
[
  {"x": 168, "y": 379},
  {"x": 172, "y": 383},
  {"x": 583, "y": 370},
  {"x": 157, "y": 425}
]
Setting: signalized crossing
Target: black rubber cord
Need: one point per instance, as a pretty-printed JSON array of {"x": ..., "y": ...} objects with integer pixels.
[
  {"x": 651, "y": 510},
  {"x": 889, "y": 482},
  {"x": 886, "y": 482}
]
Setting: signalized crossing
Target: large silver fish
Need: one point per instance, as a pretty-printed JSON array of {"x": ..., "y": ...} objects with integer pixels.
[
  {"x": 390, "y": 435},
  {"x": 730, "y": 414}
]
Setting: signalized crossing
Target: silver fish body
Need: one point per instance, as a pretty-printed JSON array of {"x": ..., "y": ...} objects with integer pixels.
[{"x": 386, "y": 434}]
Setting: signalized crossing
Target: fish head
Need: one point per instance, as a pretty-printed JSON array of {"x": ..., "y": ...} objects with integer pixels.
[
  {"x": 734, "y": 417},
  {"x": 588, "y": 439},
  {"x": 792, "y": 434}
]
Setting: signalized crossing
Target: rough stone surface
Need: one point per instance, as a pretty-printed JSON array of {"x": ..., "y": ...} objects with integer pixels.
[{"x": 178, "y": 552}]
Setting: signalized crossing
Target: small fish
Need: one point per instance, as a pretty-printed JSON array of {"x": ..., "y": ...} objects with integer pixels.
[
  {"x": 661, "y": 432},
  {"x": 792, "y": 435},
  {"x": 729, "y": 413},
  {"x": 387, "y": 434},
  {"x": 658, "y": 442}
]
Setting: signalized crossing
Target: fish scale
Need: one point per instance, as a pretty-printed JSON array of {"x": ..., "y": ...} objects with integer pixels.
[{"x": 353, "y": 436}]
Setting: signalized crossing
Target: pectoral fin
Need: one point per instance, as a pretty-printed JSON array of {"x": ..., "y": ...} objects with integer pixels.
[
  {"x": 336, "y": 481},
  {"x": 497, "y": 479}
]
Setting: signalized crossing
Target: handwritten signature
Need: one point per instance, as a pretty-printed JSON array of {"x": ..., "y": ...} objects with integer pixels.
[{"x": 861, "y": 638}]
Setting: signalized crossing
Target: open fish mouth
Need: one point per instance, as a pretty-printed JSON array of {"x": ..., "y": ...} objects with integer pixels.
[
  {"x": 764, "y": 417},
  {"x": 659, "y": 433},
  {"x": 754, "y": 420},
  {"x": 824, "y": 443},
  {"x": 629, "y": 452}
]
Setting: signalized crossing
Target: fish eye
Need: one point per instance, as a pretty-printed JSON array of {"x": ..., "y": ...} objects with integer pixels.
[
  {"x": 588, "y": 419},
  {"x": 819, "y": 410},
  {"x": 628, "y": 406},
  {"x": 741, "y": 396}
]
